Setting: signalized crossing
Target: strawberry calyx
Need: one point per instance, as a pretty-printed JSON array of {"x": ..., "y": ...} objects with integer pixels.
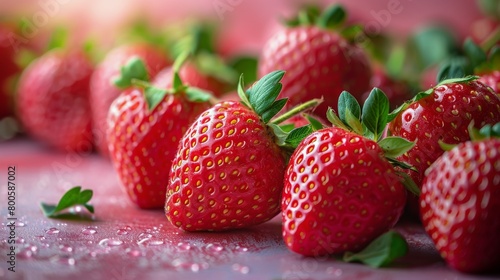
[
  {"x": 331, "y": 18},
  {"x": 262, "y": 96},
  {"x": 134, "y": 74},
  {"x": 370, "y": 121}
]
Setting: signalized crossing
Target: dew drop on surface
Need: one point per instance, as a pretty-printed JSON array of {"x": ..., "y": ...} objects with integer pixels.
[
  {"x": 127, "y": 228},
  {"x": 145, "y": 235},
  {"x": 26, "y": 253},
  {"x": 183, "y": 246},
  {"x": 66, "y": 248},
  {"x": 89, "y": 230},
  {"x": 122, "y": 231},
  {"x": 180, "y": 264},
  {"x": 110, "y": 242},
  {"x": 214, "y": 248},
  {"x": 63, "y": 260},
  {"x": 20, "y": 224},
  {"x": 241, "y": 249},
  {"x": 243, "y": 269},
  {"x": 19, "y": 240},
  {"x": 52, "y": 231},
  {"x": 133, "y": 252}
]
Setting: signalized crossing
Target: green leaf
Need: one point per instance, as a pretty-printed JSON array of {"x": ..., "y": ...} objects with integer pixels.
[
  {"x": 353, "y": 122},
  {"x": 332, "y": 17},
  {"x": 375, "y": 111},
  {"x": 315, "y": 123},
  {"x": 242, "y": 93},
  {"x": 395, "y": 146},
  {"x": 246, "y": 65},
  {"x": 396, "y": 163},
  {"x": 265, "y": 91},
  {"x": 281, "y": 134},
  {"x": 455, "y": 67},
  {"x": 466, "y": 79},
  {"x": 334, "y": 119},
  {"x": 73, "y": 197},
  {"x": 273, "y": 110},
  {"x": 213, "y": 66},
  {"x": 197, "y": 94},
  {"x": 287, "y": 127},
  {"x": 348, "y": 102},
  {"x": 180, "y": 60},
  {"x": 433, "y": 45},
  {"x": 476, "y": 55},
  {"x": 382, "y": 251},
  {"x": 408, "y": 183},
  {"x": 177, "y": 82},
  {"x": 297, "y": 135},
  {"x": 308, "y": 15},
  {"x": 133, "y": 69},
  {"x": 154, "y": 96}
]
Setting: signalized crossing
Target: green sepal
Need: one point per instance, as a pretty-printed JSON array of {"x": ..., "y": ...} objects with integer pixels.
[
  {"x": 154, "y": 96},
  {"x": 274, "y": 109},
  {"x": 332, "y": 17},
  {"x": 296, "y": 136},
  {"x": 348, "y": 102},
  {"x": 455, "y": 67},
  {"x": 408, "y": 183},
  {"x": 242, "y": 93},
  {"x": 490, "y": 131},
  {"x": 73, "y": 197},
  {"x": 177, "y": 82},
  {"x": 395, "y": 146},
  {"x": 195, "y": 94},
  {"x": 213, "y": 66},
  {"x": 334, "y": 119},
  {"x": 400, "y": 164},
  {"x": 315, "y": 123},
  {"x": 380, "y": 252},
  {"x": 133, "y": 69},
  {"x": 263, "y": 93},
  {"x": 245, "y": 64},
  {"x": 375, "y": 112}
]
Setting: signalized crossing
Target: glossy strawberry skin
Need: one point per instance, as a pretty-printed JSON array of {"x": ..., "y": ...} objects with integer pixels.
[
  {"x": 142, "y": 144},
  {"x": 459, "y": 205},
  {"x": 444, "y": 115},
  {"x": 228, "y": 172},
  {"x": 103, "y": 92},
  {"x": 492, "y": 80},
  {"x": 340, "y": 193},
  {"x": 53, "y": 103},
  {"x": 318, "y": 63}
]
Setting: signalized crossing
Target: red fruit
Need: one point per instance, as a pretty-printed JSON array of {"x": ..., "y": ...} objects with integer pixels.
[
  {"x": 53, "y": 102},
  {"x": 228, "y": 172},
  {"x": 103, "y": 92},
  {"x": 8, "y": 69},
  {"x": 443, "y": 114},
  {"x": 398, "y": 92},
  {"x": 193, "y": 77},
  {"x": 492, "y": 80},
  {"x": 142, "y": 141},
  {"x": 459, "y": 205},
  {"x": 340, "y": 194},
  {"x": 319, "y": 63}
]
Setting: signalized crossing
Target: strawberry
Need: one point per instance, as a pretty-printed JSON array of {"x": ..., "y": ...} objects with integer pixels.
[
  {"x": 228, "y": 171},
  {"x": 319, "y": 62},
  {"x": 341, "y": 192},
  {"x": 460, "y": 202},
  {"x": 492, "y": 80},
  {"x": 442, "y": 113},
  {"x": 103, "y": 92},
  {"x": 53, "y": 102},
  {"x": 8, "y": 69},
  {"x": 145, "y": 124}
]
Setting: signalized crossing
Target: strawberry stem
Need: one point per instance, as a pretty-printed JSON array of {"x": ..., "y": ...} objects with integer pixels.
[{"x": 297, "y": 110}]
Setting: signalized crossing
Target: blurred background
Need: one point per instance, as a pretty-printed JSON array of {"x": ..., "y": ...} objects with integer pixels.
[{"x": 242, "y": 27}]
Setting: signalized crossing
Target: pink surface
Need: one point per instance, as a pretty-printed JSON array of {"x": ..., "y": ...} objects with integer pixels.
[{"x": 127, "y": 243}]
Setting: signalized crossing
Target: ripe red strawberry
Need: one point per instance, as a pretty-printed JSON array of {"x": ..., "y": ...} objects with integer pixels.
[
  {"x": 103, "y": 92},
  {"x": 8, "y": 69},
  {"x": 144, "y": 129},
  {"x": 442, "y": 114},
  {"x": 492, "y": 80},
  {"x": 228, "y": 171},
  {"x": 319, "y": 63},
  {"x": 53, "y": 102},
  {"x": 341, "y": 192},
  {"x": 460, "y": 202}
]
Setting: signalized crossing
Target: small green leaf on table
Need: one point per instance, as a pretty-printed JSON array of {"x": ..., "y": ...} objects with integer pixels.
[{"x": 73, "y": 197}]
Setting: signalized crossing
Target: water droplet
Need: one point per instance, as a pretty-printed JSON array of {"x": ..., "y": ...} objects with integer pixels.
[
  {"x": 89, "y": 230},
  {"x": 195, "y": 267},
  {"x": 243, "y": 269},
  {"x": 63, "y": 259},
  {"x": 19, "y": 240},
  {"x": 52, "y": 231},
  {"x": 183, "y": 246},
  {"x": 20, "y": 224},
  {"x": 133, "y": 252},
  {"x": 127, "y": 228},
  {"x": 181, "y": 264},
  {"x": 149, "y": 241},
  {"x": 122, "y": 231},
  {"x": 145, "y": 235},
  {"x": 66, "y": 248},
  {"x": 26, "y": 253},
  {"x": 241, "y": 249},
  {"x": 214, "y": 248},
  {"x": 110, "y": 242},
  {"x": 337, "y": 272}
]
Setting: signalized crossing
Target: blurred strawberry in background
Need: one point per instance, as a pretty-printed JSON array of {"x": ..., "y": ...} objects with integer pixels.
[{"x": 8, "y": 70}]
